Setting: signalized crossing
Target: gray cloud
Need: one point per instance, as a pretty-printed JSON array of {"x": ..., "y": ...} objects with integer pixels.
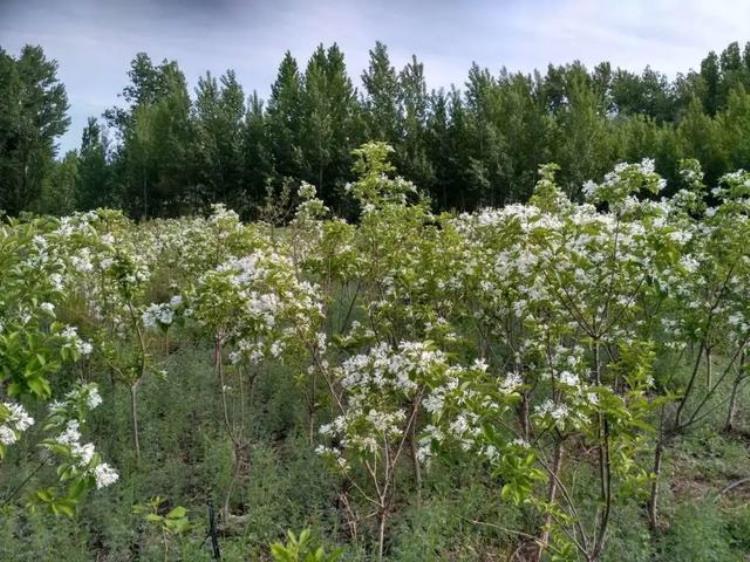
[{"x": 94, "y": 40}]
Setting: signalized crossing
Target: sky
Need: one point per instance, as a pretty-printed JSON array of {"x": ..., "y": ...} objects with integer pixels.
[{"x": 95, "y": 40}]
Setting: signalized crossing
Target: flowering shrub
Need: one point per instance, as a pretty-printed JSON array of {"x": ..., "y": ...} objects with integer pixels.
[
  {"x": 35, "y": 347},
  {"x": 540, "y": 340}
]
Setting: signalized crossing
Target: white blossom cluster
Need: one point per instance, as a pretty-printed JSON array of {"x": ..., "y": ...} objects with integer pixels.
[
  {"x": 377, "y": 386},
  {"x": 82, "y": 396},
  {"x": 82, "y": 456},
  {"x": 161, "y": 314},
  {"x": 74, "y": 341},
  {"x": 14, "y": 420}
]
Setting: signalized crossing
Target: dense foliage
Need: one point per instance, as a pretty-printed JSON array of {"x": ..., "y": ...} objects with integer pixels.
[
  {"x": 523, "y": 383},
  {"x": 166, "y": 151}
]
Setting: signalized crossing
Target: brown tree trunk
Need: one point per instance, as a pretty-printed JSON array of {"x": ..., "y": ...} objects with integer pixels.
[
  {"x": 653, "y": 501},
  {"x": 732, "y": 411},
  {"x": 551, "y": 496}
]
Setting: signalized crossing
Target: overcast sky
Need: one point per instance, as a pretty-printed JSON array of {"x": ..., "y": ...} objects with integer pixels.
[{"x": 94, "y": 40}]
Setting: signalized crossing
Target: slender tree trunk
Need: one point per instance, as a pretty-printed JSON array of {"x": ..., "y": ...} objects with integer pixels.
[
  {"x": 691, "y": 382},
  {"x": 237, "y": 462},
  {"x": 219, "y": 367},
  {"x": 381, "y": 531},
  {"x": 709, "y": 369},
  {"x": 134, "y": 415},
  {"x": 145, "y": 201},
  {"x": 213, "y": 533},
  {"x": 523, "y": 415},
  {"x": 606, "y": 474},
  {"x": 732, "y": 411},
  {"x": 551, "y": 496},
  {"x": 653, "y": 501},
  {"x": 311, "y": 410},
  {"x": 415, "y": 461}
]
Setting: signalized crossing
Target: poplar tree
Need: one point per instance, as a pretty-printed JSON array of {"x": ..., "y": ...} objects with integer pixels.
[
  {"x": 380, "y": 101},
  {"x": 219, "y": 112},
  {"x": 285, "y": 120},
  {"x": 93, "y": 187},
  {"x": 412, "y": 149},
  {"x": 33, "y": 113}
]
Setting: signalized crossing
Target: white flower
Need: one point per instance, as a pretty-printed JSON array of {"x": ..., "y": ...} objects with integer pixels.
[
  {"x": 326, "y": 429},
  {"x": 589, "y": 188},
  {"x": 94, "y": 399},
  {"x": 47, "y": 307},
  {"x": 511, "y": 382},
  {"x": 434, "y": 402},
  {"x": 306, "y": 190},
  {"x": 154, "y": 314},
  {"x": 480, "y": 365},
  {"x": 7, "y": 435},
  {"x": 71, "y": 436},
  {"x": 560, "y": 412},
  {"x": 105, "y": 475},
  {"x": 490, "y": 451},
  {"x": 84, "y": 453},
  {"x": 568, "y": 378},
  {"x": 17, "y": 421},
  {"x": 277, "y": 348}
]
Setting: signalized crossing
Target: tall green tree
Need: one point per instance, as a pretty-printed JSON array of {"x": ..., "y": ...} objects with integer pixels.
[
  {"x": 711, "y": 75},
  {"x": 33, "y": 113},
  {"x": 698, "y": 137},
  {"x": 257, "y": 154},
  {"x": 94, "y": 179},
  {"x": 58, "y": 196},
  {"x": 284, "y": 118},
  {"x": 412, "y": 150},
  {"x": 649, "y": 94},
  {"x": 155, "y": 156},
  {"x": 733, "y": 125},
  {"x": 330, "y": 121},
  {"x": 485, "y": 140},
  {"x": 583, "y": 142},
  {"x": 219, "y": 112},
  {"x": 381, "y": 96}
]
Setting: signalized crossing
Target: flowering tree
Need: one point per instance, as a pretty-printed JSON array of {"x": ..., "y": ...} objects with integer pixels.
[
  {"x": 556, "y": 343},
  {"x": 254, "y": 308},
  {"x": 34, "y": 347}
]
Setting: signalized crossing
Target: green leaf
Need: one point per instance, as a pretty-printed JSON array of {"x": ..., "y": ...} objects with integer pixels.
[{"x": 177, "y": 513}]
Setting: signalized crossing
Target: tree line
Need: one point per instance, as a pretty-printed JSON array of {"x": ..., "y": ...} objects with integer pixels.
[{"x": 165, "y": 152}]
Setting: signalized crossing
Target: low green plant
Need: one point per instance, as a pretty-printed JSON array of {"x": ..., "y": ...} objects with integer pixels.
[
  {"x": 174, "y": 523},
  {"x": 302, "y": 549}
]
